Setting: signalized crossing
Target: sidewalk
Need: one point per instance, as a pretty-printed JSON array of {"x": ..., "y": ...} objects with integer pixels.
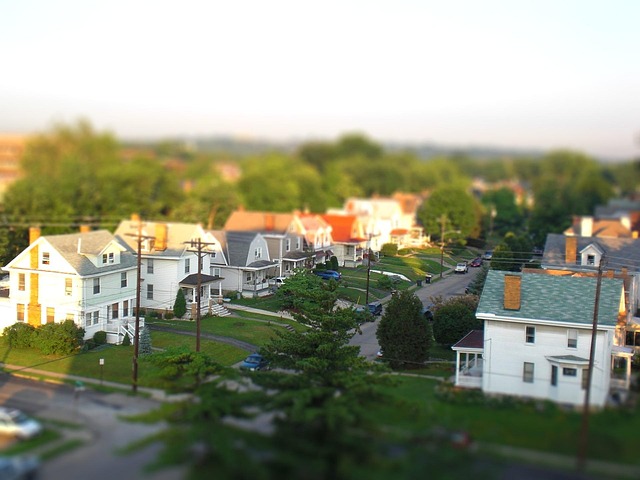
[{"x": 281, "y": 314}]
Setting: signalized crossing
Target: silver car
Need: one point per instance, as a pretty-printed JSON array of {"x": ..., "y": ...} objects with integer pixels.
[{"x": 15, "y": 423}]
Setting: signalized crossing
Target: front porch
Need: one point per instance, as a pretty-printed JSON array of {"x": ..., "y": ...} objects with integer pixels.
[
  {"x": 118, "y": 328},
  {"x": 469, "y": 362}
]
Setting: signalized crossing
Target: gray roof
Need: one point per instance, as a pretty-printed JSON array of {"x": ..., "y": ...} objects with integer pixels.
[
  {"x": 558, "y": 298},
  {"x": 91, "y": 243},
  {"x": 192, "y": 279},
  {"x": 236, "y": 245},
  {"x": 619, "y": 252}
]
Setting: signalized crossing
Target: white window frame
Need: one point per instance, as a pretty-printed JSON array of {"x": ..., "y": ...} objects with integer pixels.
[
  {"x": 149, "y": 265},
  {"x": 22, "y": 282},
  {"x": 528, "y": 372},
  {"x": 123, "y": 280},
  {"x": 46, "y": 258},
  {"x": 530, "y": 335},
  {"x": 572, "y": 338},
  {"x": 149, "y": 291},
  {"x": 187, "y": 265},
  {"x": 68, "y": 287},
  {"x": 96, "y": 286}
]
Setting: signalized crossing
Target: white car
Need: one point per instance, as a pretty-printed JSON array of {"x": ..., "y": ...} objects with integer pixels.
[
  {"x": 462, "y": 267},
  {"x": 15, "y": 423},
  {"x": 278, "y": 281}
]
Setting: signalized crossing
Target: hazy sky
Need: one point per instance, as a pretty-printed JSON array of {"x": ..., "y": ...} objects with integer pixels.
[{"x": 540, "y": 73}]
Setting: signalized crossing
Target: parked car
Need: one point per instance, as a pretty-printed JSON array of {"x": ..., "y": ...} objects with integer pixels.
[
  {"x": 19, "y": 468},
  {"x": 328, "y": 274},
  {"x": 427, "y": 312},
  {"x": 461, "y": 267},
  {"x": 278, "y": 281},
  {"x": 15, "y": 423},
  {"x": 476, "y": 262},
  {"x": 254, "y": 362},
  {"x": 488, "y": 255},
  {"x": 375, "y": 308}
]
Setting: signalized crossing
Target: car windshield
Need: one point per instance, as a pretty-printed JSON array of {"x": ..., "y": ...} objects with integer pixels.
[
  {"x": 19, "y": 418},
  {"x": 252, "y": 359}
]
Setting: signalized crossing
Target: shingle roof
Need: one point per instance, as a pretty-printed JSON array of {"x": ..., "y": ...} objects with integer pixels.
[
  {"x": 178, "y": 236},
  {"x": 91, "y": 243},
  {"x": 553, "y": 298},
  {"x": 473, "y": 339},
  {"x": 342, "y": 227},
  {"x": 241, "y": 220},
  {"x": 619, "y": 251}
]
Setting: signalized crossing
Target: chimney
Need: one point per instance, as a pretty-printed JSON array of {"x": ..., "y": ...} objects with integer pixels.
[
  {"x": 85, "y": 228},
  {"x": 512, "y": 292},
  {"x": 571, "y": 250},
  {"x": 79, "y": 246},
  {"x": 34, "y": 234},
  {"x": 586, "y": 226},
  {"x": 161, "y": 236},
  {"x": 625, "y": 220},
  {"x": 269, "y": 221},
  {"x": 135, "y": 218},
  {"x": 634, "y": 234}
]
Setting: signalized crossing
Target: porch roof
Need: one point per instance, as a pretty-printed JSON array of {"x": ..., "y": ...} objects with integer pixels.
[
  {"x": 474, "y": 340},
  {"x": 192, "y": 280}
]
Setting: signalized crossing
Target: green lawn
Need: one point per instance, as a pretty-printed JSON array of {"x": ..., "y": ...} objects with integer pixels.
[
  {"x": 245, "y": 329},
  {"x": 543, "y": 427}
]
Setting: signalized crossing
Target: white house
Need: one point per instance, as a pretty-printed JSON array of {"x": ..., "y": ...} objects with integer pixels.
[
  {"x": 170, "y": 255},
  {"x": 537, "y": 338},
  {"x": 86, "y": 277}
]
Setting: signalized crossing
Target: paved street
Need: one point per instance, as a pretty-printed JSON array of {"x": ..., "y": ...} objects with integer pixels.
[
  {"x": 450, "y": 285},
  {"x": 101, "y": 429}
]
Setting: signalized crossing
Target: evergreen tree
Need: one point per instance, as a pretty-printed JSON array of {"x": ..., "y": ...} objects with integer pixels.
[
  {"x": 144, "y": 347},
  {"x": 404, "y": 334},
  {"x": 180, "y": 305}
]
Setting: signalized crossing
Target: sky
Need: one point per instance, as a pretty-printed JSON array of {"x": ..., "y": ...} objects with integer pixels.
[{"x": 539, "y": 74}]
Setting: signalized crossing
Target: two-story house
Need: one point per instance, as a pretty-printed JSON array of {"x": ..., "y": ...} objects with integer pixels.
[
  {"x": 171, "y": 254},
  {"x": 245, "y": 266},
  {"x": 87, "y": 277},
  {"x": 283, "y": 233},
  {"x": 537, "y": 334},
  {"x": 621, "y": 255},
  {"x": 317, "y": 236},
  {"x": 349, "y": 239}
]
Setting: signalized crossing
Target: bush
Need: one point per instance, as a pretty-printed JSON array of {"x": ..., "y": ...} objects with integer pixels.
[
  {"x": 180, "y": 305},
  {"x": 20, "y": 335},
  {"x": 385, "y": 283},
  {"x": 126, "y": 341},
  {"x": 59, "y": 338},
  {"x": 333, "y": 263},
  {"x": 100, "y": 338},
  {"x": 389, "y": 249}
]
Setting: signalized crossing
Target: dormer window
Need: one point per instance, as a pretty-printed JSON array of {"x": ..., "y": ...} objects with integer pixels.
[
  {"x": 108, "y": 258},
  {"x": 258, "y": 253},
  {"x": 591, "y": 260}
]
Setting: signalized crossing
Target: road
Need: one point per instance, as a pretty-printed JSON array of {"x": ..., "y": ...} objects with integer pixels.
[
  {"x": 450, "y": 285},
  {"x": 101, "y": 429}
]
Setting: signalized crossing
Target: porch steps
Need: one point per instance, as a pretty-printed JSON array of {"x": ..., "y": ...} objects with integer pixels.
[{"x": 218, "y": 310}]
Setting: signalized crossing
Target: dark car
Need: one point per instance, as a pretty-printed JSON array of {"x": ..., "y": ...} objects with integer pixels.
[
  {"x": 328, "y": 274},
  {"x": 476, "y": 262},
  {"x": 427, "y": 312},
  {"x": 254, "y": 362},
  {"x": 375, "y": 308}
]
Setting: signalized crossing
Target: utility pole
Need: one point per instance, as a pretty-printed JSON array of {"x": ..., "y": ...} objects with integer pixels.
[
  {"x": 366, "y": 298},
  {"x": 584, "y": 428},
  {"x": 198, "y": 245},
  {"x": 443, "y": 219},
  {"x": 136, "y": 342}
]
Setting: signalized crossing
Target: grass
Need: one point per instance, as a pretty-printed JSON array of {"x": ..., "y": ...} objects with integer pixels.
[
  {"x": 537, "y": 426},
  {"x": 245, "y": 329}
]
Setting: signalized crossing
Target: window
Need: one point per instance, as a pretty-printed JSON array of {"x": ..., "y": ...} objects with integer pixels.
[
  {"x": 22, "y": 279},
  {"x": 215, "y": 271},
  {"x": 123, "y": 280},
  {"x": 298, "y": 243},
  {"x": 569, "y": 372},
  {"x": 287, "y": 245},
  {"x": 258, "y": 253},
  {"x": 45, "y": 258},
  {"x": 96, "y": 317},
  {"x": 213, "y": 254},
  {"x": 125, "y": 308},
  {"x": 248, "y": 276},
  {"x": 554, "y": 375},
  {"x": 108, "y": 258},
  {"x": 585, "y": 378},
  {"x": 530, "y": 335},
  {"x": 591, "y": 259},
  {"x": 149, "y": 292},
  {"x": 149, "y": 265},
  {"x": 96, "y": 286},
  {"x": 20, "y": 312},
  {"x": 92, "y": 318},
  {"x": 187, "y": 265},
  {"x": 572, "y": 338},
  {"x": 114, "y": 310},
  {"x": 68, "y": 286},
  {"x": 527, "y": 372},
  {"x": 51, "y": 314},
  {"x": 87, "y": 320},
  {"x": 69, "y": 316}
]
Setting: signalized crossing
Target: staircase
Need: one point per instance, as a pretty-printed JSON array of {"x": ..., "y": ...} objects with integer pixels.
[{"x": 218, "y": 310}]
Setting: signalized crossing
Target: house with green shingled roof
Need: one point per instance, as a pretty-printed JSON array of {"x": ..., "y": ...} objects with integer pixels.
[{"x": 537, "y": 334}]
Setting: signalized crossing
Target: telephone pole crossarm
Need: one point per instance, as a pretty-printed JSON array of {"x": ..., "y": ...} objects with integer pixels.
[{"x": 197, "y": 247}]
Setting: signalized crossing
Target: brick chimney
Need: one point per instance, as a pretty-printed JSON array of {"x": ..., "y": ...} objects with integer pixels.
[
  {"x": 161, "y": 236},
  {"x": 571, "y": 250},
  {"x": 512, "y": 292},
  {"x": 269, "y": 221},
  {"x": 34, "y": 234},
  {"x": 85, "y": 228}
]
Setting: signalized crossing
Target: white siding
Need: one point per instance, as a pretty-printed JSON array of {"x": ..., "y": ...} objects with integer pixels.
[{"x": 506, "y": 351}]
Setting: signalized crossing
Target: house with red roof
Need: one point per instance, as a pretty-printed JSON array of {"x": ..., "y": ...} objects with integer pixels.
[{"x": 349, "y": 239}]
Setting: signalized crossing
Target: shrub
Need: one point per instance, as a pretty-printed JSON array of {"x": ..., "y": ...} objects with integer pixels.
[
  {"x": 144, "y": 347},
  {"x": 169, "y": 315},
  {"x": 100, "y": 338},
  {"x": 333, "y": 263},
  {"x": 389, "y": 249},
  {"x": 59, "y": 338},
  {"x": 385, "y": 283},
  {"x": 126, "y": 341},
  {"x": 20, "y": 335},
  {"x": 180, "y": 305}
]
